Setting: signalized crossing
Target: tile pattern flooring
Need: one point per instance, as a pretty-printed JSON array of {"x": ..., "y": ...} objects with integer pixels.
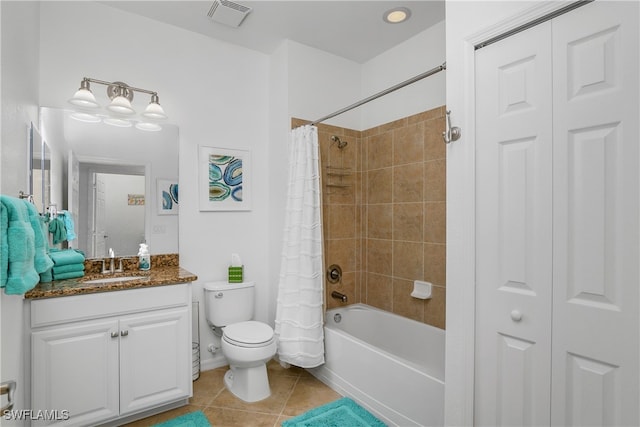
[{"x": 293, "y": 392}]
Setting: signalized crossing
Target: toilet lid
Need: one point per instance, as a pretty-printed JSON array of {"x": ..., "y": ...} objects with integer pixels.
[{"x": 248, "y": 334}]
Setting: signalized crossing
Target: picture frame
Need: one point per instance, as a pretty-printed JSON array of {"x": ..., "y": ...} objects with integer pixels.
[
  {"x": 135, "y": 199},
  {"x": 224, "y": 179},
  {"x": 167, "y": 196}
]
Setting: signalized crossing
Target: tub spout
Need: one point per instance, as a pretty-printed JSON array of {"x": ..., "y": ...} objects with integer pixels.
[{"x": 338, "y": 295}]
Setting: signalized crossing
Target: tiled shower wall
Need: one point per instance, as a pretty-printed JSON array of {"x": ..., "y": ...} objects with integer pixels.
[{"x": 384, "y": 212}]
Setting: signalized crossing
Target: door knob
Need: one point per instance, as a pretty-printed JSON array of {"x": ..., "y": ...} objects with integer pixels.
[
  {"x": 516, "y": 315},
  {"x": 124, "y": 333}
]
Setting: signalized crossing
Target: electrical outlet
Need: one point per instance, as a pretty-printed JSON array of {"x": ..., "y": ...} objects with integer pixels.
[{"x": 159, "y": 229}]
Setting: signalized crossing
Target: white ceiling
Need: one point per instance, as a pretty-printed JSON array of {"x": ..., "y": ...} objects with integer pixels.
[{"x": 351, "y": 29}]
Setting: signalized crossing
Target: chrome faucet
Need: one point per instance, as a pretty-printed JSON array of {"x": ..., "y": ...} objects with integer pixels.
[
  {"x": 337, "y": 295},
  {"x": 112, "y": 262}
]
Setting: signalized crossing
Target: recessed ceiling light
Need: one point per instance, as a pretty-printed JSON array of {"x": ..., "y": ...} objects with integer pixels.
[{"x": 396, "y": 15}]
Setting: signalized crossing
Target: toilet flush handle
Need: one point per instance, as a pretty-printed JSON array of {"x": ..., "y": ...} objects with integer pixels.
[{"x": 218, "y": 295}]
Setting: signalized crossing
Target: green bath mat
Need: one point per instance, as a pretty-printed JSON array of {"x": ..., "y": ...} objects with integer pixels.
[
  {"x": 192, "y": 419},
  {"x": 340, "y": 413}
]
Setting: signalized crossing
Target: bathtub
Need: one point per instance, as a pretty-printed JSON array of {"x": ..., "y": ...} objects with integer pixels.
[{"x": 391, "y": 365}]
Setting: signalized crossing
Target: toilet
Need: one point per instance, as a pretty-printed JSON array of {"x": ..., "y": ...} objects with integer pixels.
[{"x": 246, "y": 344}]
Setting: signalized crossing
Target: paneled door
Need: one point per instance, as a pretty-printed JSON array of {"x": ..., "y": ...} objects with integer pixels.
[
  {"x": 513, "y": 222},
  {"x": 595, "y": 216},
  {"x": 557, "y": 240}
]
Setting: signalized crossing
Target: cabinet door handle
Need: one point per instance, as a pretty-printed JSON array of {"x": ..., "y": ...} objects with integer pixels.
[
  {"x": 114, "y": 334},
  {"x": 124, "y": 333}
]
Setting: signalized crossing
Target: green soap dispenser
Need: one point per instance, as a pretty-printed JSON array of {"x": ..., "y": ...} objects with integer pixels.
[{"x": 144, "y": 259}]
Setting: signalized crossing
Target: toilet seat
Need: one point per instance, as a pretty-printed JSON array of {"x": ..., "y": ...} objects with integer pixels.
[{"x": 250, "y": 334}]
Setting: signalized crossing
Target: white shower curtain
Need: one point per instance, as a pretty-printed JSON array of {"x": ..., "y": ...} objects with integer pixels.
[{"x": 299, "y": 312}]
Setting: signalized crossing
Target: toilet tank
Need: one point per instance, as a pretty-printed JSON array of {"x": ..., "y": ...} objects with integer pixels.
[{"x": 227, "y": 303}]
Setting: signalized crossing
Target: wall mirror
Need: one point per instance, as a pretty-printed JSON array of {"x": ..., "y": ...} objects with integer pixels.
[
  {"x": 113, "y": 181},
  {"x": 39, "y": 169}
]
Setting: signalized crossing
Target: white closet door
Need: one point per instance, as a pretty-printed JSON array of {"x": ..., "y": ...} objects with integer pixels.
[
  {"x": 595, "y": 172},
  {"x": 513, "y": 237}
]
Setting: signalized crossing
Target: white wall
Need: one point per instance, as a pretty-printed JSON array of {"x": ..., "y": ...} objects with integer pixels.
[
  {"x": 463, "y": 20},
  {"x": 19, "y": 72},
  {"x": 321, "y": 83},
  {"x": 420, "y": 53}
]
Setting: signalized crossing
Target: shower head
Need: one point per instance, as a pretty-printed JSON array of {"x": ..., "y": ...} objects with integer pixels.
[{"x": 341, "y": 144}]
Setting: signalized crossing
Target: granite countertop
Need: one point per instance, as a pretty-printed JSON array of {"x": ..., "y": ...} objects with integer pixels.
[{"x": 164, "y": 272}]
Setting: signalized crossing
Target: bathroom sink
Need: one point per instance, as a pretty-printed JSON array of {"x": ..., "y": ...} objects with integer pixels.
[{"x": 114, "y": 279}]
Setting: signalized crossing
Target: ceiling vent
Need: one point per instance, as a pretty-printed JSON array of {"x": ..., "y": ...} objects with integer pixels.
[{"x": 228, "y": 12}]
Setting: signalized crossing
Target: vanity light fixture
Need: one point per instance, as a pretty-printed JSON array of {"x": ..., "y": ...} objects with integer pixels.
[
  {"x": 117, "y": 121},
  {"x": 120, "y": 108},
  {"x": 85, "y": 117},
  {"x": 396, "y": 15}
]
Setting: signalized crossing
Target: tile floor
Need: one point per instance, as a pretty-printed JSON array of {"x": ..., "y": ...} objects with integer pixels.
[{"x": 293, "y": 391}]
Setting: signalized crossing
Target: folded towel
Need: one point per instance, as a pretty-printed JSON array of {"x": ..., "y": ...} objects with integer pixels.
[
  {"x": 58, "y": 269},
  {"x": 69, "y": 275},
  {"x": 66, "y": 256},
  {"x": 58, "y": 230},
  {"x": 47, "y": 276},
  {"x": 67, "y": 219},
  {"x": 18, "y": 254}
]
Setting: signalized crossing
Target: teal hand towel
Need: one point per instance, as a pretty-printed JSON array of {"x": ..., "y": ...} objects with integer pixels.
[
  {"x": 42, "y": 262},
  {"x": 69, "y": 275},
  {"x": 68, "y": 268},
  {"x": 67, "y": 256},
  {"x": 57, "y": 230},
  {"x": 19, "y": 251},
  {"x": 4, "y": 245},
  {"x": 67, "y": 219}
]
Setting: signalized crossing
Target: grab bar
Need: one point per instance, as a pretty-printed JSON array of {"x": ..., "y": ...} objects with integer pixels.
[{"x": 9, "y": 388}]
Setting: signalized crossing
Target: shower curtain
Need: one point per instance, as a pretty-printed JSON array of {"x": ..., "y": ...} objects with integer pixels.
[{"x": 299, "y": 311}]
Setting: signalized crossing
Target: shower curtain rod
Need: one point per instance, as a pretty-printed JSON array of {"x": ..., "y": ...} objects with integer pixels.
[{"x": 384, "y": 92}]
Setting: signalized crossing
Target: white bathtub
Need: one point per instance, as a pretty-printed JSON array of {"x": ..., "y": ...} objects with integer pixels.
[{"x": 392, "y": 365}]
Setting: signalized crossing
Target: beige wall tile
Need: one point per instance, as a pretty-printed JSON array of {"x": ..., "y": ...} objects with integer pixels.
[
  {"x": 379, "y": 291},
  {"x": 379, "y": 151},
  {"x": 342, "y": 252},
  {"x": 408, "y": 144},
  {"x": 434, "y": 146},
  {"x": 379, "y": 221},
  {"x": 379, "y": 185},
  {"x": 397, "y": 210},
  {"x": 435, "y": 261},
  {"x": 435, "y": 181},
  {"x": 408, "y": 260},
  {"x": 408, "y": 183},
  {"x": 379, "y": 254},
  {"x": 342, "y": 221},
  {"x": 408, "y": 221},
  {"x": 435, "y": 222}
]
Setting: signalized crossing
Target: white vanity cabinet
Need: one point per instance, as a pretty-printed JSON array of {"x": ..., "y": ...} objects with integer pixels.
[{"x": 109, "y": 355}]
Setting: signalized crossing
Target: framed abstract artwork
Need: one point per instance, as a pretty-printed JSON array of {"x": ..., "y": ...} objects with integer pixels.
[
  {"x": 224, "y": 179},
  {"x": 167, "y": 195}
]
